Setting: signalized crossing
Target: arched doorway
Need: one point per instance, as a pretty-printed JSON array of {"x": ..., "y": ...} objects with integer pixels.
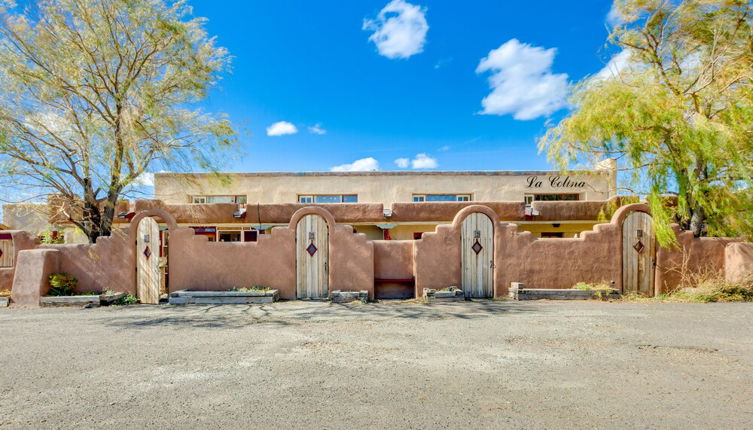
[
  {"x": 638, "y": 254},
  {"x": 477, "y": 255},
  {"x": 148, "y": 271},
  {"x": 312, "y": 257}
]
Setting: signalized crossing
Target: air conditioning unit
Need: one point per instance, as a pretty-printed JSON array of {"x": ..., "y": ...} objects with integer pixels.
[{"x": 387, "y": 213}]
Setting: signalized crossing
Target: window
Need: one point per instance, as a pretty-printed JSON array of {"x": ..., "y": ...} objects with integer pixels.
[
  {"x": 556, "y": 197},
  {"x": 441, "y": 197},
  {"x": 328, "y": 198},
  {"x": 210, "y": 232},
  {"x": 241, "y": 200},
  {"x": 230, "y": 236},
  {"x": 530, "y": 198}
]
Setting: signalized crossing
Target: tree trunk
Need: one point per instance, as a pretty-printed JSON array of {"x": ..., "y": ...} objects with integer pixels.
[
  {"x": 91, "y": 215},
  {"x": 697, "y": 220}
]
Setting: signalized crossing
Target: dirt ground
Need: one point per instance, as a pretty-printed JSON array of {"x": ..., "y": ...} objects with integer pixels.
[{"x": 484, "y": 364}]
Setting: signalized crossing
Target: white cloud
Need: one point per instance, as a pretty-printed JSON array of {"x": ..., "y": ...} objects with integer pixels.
[
  {"x": 444, "y": 148},
  {"x": 423, "y": 161},
  {"x": 615, "y": 66},
  {"x": 522, "y": 81},
  {"x": 614, "y": 18},
  {"x": 399, "y": 29},
  {"x": 281, "y": 128},
  {"x": 363, "y": 165},
  {"x": 145, "y": 179},
  {"x": 402, "y": 162},
  {"x": 317, "y": 129}
]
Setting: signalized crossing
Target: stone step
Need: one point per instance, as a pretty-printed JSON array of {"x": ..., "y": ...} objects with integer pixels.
[
  {"x": 185, "y": 297},
  {"x": 70, "y": 301},
  {"x": 338, "y": 296},
  {"x": 559, "y": 294}
]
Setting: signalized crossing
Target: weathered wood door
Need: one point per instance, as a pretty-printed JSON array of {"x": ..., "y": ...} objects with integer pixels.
[
  {"x": 6, "y": 250},
  {"x": 477, "y": 256},
  {"x": 148, "y": 275},
  {"x": 312, "y": 258},
  {"x": 638, "y": 251}
]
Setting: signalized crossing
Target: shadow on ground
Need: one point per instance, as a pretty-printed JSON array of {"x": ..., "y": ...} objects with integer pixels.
[{"x": 301, "y": 312}]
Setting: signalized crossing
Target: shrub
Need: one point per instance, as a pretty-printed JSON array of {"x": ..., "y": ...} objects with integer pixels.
[
  {"x": 250, "y": 289},
  {"x": 62, "y": 284},
  {"x": 600, "y": 290},
  {"x": 128, "y": 299}
]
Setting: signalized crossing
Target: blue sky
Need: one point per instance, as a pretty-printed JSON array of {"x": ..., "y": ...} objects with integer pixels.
[{"x": 312, "y": 64}]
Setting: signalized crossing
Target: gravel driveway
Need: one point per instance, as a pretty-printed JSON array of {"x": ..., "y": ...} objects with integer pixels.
[{"x": 483, "y": 364}]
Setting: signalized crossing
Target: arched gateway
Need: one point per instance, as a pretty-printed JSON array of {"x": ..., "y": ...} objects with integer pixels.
[
  {"x": 312, "y": 257},
  {"x": 477, "y": 255},
  {"x": 148, "y": 273},
  {"x": 638, "y": 254}
]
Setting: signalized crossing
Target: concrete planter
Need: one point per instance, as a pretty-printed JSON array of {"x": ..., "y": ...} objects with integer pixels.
[
  {"x": 338, "y": 296},
  {"x": 519, "y": 292},
  {"x": 4, "y": 301},
  {"x": 452, "y": 294},
  {"x": 51, "y": 301},
  {"x": 185, "y": 297}
]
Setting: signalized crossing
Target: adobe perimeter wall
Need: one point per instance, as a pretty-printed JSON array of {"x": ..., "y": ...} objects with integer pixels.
[
  {"x": 197, "y": 264},
  {"x": 693, "y": 256},
  {"x": 107, "y": 264}
]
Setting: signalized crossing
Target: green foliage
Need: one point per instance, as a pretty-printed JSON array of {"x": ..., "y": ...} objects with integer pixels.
[
  {"x": 250, "y": 289},
  {"x": 96, "y": 93},
  {"x": 47, "y": 237},
  {"x": 600, "y": 290},
  {"x": 677, "y": 116},
  {"x": 62, "y": 284},
  {"x": 128, "y": 299}
]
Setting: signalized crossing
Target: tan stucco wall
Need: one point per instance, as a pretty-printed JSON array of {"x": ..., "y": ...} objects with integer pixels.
[
  {"x": 22, "y": 240},
  {"x": 31, "y": 281},
  {"x": 108, "y": 264},
  {"x": 378, "y": 187},
  {"x": 393, "y": 259},
  {"x": 31, "y": 217},
  {"x": 197, "y": 264}
]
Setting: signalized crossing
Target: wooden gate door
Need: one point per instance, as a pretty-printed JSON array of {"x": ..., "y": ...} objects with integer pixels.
[
  {"x": 148, "y": 275},
  {"x": 477, "y": 256},
  {"x": 638, "y": 251},
  {"x": 312, "y": 258}
]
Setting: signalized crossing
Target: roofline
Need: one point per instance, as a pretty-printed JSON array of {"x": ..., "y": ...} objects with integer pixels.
[{"x": 397, "y": 173}]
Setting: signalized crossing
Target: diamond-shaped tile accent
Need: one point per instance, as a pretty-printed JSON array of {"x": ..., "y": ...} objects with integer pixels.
[
  {"x": 147, "y": 252},
  {"x": 477, "y": 247},
  {"x": 638, "y": 247},
  {"x": 311, "y": 249}
]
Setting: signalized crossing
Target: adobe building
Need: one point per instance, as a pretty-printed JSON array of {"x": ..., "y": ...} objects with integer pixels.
[{"x": 383, "y": 205}]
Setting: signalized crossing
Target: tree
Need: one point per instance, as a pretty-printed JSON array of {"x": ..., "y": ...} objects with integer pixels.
[
  {"x": 675, "y": 107},
  {"x": 95, "y": 93}
]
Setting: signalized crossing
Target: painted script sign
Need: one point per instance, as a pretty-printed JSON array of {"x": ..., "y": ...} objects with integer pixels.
[{"x": 555, "y": 182}]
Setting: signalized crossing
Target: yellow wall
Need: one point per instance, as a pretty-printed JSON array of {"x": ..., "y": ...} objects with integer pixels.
[
  {"x": 569, "y": 230},
  {"x": 405, "y": 231}
]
